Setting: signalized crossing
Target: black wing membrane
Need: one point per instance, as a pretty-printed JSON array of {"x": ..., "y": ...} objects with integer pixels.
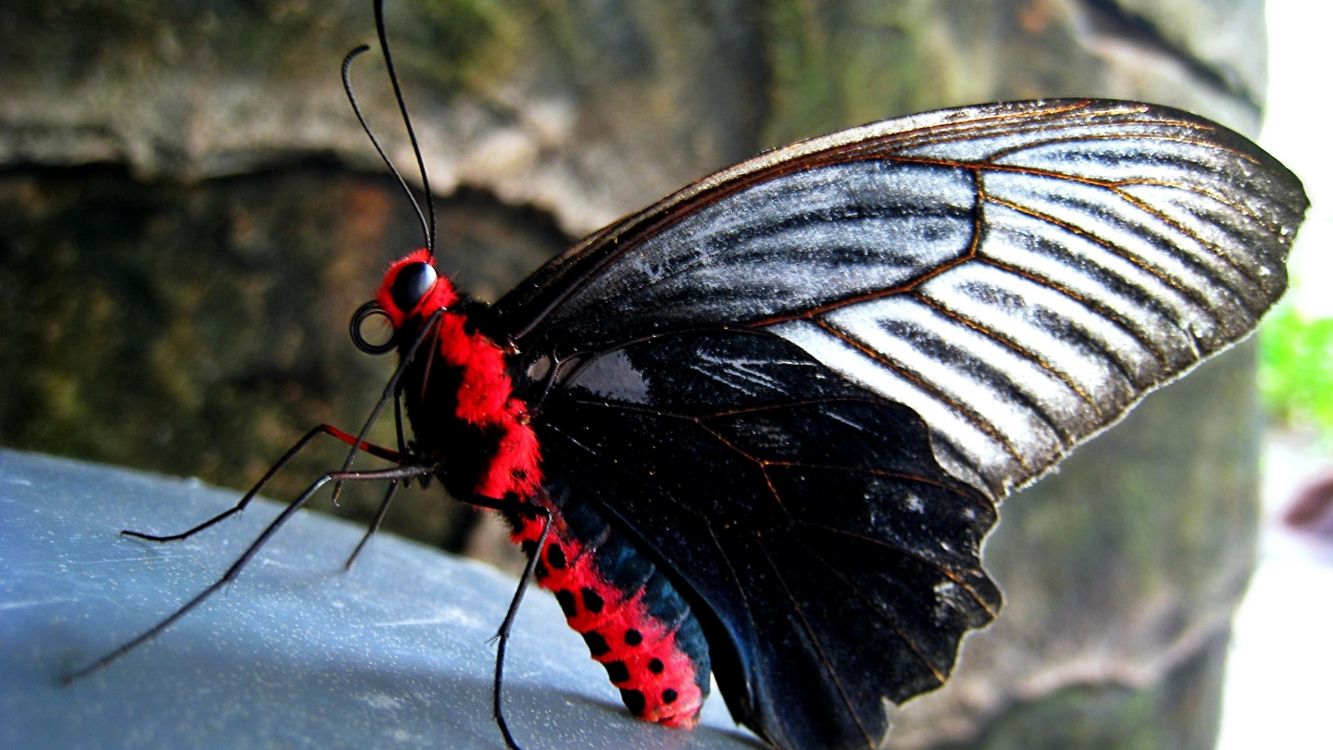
[
  {"x": 835, "y": 562},
  {"x": 1018, "y": 274}
]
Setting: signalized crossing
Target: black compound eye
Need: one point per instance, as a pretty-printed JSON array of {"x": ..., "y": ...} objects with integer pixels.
[{"x": 412, "y": 283}]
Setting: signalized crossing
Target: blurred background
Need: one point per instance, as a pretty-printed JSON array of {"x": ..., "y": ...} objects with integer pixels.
[
  {"x": 189, "y": 213},
  {"x": 1280, "y": 659}
]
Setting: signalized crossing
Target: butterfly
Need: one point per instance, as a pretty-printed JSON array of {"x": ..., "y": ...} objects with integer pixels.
[{"x": 759, "y": 429}]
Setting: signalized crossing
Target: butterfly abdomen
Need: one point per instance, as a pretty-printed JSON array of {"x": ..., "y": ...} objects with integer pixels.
[{"x": 635, "y": 622}]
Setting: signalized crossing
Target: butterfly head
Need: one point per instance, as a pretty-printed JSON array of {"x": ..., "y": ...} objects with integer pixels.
[{"x": 411, "y": 292}]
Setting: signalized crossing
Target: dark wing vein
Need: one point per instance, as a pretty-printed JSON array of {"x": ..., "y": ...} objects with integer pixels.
[{"x": 817, "y": 641}]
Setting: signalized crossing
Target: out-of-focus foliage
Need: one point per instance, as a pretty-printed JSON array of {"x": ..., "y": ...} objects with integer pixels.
[{"x": 1296, "y": 369}]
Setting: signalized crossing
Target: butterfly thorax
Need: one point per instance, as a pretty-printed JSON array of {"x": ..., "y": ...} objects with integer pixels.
[{"x": 464, "y": 415}]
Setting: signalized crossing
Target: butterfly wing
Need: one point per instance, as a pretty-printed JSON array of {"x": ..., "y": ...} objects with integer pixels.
[
  {"x": 835, "y": 561},
  {"x": 1019, "y": 274},
  {"x": 978, "y": 290}
]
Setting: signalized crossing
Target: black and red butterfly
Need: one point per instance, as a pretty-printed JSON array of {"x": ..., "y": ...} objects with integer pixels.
[{"x": 760, "y": 428}]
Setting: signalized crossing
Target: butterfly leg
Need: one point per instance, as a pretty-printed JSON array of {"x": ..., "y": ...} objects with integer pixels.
[
  {"x": 374, "y": 524},
  {"x": 395, "y": 475},
  {"x": 533, "y": 510},
  {"x": 324, "y": 429}
]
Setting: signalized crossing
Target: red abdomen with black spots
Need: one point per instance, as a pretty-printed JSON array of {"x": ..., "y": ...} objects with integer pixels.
[
  {"x": 459, "y": 399},
  {"x": 634, "y": 621}
]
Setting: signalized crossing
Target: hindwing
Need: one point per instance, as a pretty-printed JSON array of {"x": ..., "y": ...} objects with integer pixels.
[{"x": 830, "y": 558}]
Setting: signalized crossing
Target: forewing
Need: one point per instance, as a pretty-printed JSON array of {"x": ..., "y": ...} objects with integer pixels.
[
  {"x": 834, "y": 562},
  {"x": 1018, "y": 274}
]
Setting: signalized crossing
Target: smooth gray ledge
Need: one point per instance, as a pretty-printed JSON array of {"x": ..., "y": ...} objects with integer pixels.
[{"x": 294, "y": 653}]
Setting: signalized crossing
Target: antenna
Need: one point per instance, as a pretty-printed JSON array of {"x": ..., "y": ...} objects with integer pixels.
[
  {"x": 426, "y": 230},
  {"x": 407, "y": 122}
]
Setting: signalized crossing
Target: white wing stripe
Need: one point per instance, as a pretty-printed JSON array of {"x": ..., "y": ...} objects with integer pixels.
[
  {"x": 994, "y": 400},
  {"x": 973, "y": 445},
  {"x": 1007, "y": 389},
  {"x": 1061, "y": 328},
  {"x": 1145, "y": 308},
  {"x": 1144, "y": 238}
]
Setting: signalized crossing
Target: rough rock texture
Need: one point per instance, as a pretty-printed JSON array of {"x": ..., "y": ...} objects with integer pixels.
[
  {"x": 189, "y": 213},
  {"x": 584, "y": 109}
]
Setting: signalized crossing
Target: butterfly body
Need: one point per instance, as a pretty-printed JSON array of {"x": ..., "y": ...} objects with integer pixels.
[{"x": 465, "y": 417}]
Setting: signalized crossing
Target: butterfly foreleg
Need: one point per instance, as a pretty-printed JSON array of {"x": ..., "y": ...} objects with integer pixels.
[
  {"x": 394, "y": 475},
  {"x": 323, "y": 429},
  {"x": 374, "y": 524}
]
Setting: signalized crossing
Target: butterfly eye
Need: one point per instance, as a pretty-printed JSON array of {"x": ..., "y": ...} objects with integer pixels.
[
  {"x": 375, "y": 344},
  {"x": 412, "y": 283}
]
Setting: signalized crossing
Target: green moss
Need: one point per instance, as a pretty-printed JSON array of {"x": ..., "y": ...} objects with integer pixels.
[
  {"x": 466, "y": 42},
  {"x": 834, "y": 64}
]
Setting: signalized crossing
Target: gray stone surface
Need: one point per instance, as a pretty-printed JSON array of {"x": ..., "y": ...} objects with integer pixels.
[{"x": 294, "y": 653}]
